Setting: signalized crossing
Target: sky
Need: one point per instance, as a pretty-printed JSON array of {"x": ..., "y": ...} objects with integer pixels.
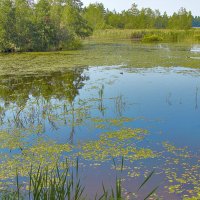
[{"x": 170, "y": 5}]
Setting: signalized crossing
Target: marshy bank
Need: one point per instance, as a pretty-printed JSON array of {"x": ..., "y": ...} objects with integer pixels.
[
  {"x": 102, "y": 53},
  {"x": 150, "y": 35}
]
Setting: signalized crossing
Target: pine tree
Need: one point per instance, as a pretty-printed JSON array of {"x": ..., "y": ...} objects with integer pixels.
[{"x": 95, "y": 15}]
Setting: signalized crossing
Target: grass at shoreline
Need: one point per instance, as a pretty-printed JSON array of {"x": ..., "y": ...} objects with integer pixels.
[
  {"x": 164, "y": 35},
  {"x": 108, "y": 48},
  {"x": 100, "y": 53}
]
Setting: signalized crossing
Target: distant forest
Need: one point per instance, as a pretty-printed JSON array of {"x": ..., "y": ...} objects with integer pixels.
[
  {"x": 60, "y": 24},
  {"x": 134, "y": 18}
]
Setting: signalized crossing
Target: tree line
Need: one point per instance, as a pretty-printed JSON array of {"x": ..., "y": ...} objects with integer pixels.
[
  {"x": 27, "y": 25},
  {"x": 45, "y": 25},
  {"x": 146, "y": 18}
]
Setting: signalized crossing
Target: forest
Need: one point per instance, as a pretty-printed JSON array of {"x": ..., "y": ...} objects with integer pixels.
[{"x": 61, "y": 24}]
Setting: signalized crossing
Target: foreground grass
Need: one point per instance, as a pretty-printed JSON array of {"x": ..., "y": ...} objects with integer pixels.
[{"x": 64, "y": 184}]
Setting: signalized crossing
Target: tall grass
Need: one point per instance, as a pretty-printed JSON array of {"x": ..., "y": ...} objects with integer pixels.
[
  {"x": 64, "y": 185},
  {"x": 145, "y": 35}
]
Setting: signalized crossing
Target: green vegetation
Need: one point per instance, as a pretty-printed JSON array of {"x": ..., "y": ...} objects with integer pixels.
[
  {"x": 25, "y": 139},
  {"x": 41, "y": 26},
  {"x": 64, "y": 184},
  {"x": 42, "y": 93},
  {"x": 152, "y": 38},
  {"x": 94, "y": 14},
  {"x": 102, "y": 52},
  {"x": 61, "y": 24},
  {"x": 133, "y": 18},
  {"x": 115, "y": 144},
  {"x": 150, "y": 35}
]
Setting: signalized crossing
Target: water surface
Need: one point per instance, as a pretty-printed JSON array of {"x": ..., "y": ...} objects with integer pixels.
[{"x": 150, "y": 116}]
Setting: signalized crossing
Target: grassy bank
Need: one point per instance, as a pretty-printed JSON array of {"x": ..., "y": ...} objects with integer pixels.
[
  {"x": 111, "y": 47},
  {"x": 100, "y": 53},
  {"x": 150, "y": 35}
]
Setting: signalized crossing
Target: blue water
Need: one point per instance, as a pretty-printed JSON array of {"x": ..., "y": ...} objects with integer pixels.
[{"x": 164, "y": 101}]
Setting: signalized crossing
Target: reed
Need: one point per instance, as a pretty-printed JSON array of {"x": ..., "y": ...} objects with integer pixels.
[
  {"x": 64, "y": 184},
  {"x": 149, "y": 35}
]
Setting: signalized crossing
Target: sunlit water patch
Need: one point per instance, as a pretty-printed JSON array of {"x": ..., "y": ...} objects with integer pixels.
[
  {"x": 195, "y": 49},
  {"x": 149, "y": 117}
]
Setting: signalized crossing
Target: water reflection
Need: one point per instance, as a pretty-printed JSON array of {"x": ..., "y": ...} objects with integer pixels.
[
  {"x": 34, "y": 99},
  {"x": 195, "y": 49},
  {"x": 56, "y": 85},
  {"x": 50, "y": 103},
  {"x": 98, "y": 113}
]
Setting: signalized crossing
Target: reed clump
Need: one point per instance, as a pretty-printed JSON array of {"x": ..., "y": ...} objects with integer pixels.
[
  {"x": 64, "y": 184},
  {"x": 149, "y": 35}
]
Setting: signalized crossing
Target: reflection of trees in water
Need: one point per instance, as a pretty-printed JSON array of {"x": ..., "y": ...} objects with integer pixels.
[
  {"x": 57, "y": 85},
  {"x": 170, "y": 102},
  {"x": 120, "y": 105},
  {"x": 168, "y": 99},
  {"x": 32, "y": 101},
  {"x": 36, "y": 104},
  {"x": 196, "y": 98},
  {"x": 101, "y": 98},
  {"x": 2, "y": 114}
]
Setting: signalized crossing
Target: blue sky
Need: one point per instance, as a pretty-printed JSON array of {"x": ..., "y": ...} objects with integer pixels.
[{"x": 170, "y": 5}]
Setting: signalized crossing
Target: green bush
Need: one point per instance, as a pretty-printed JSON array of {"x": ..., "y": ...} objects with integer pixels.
[
  {"x": 43, "y": 26},
  {"x": 152, "y": 38}
]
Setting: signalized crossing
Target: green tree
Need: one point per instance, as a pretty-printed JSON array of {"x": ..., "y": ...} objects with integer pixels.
[
  {"x": 73, "y": 19},
  {"x": 7, "y": 26},
  {"x": 95, "y": 15},
  {"x": 43, "y": 25},
  {"x": 60, "y": 34},
  {"x": 23, "y": 25},
  {"x": 114, "y": 20},
  {"x": 134, "y": 10},
  {"x": 181, "y": 20},
  {"x": 131, "y": 17},
  {"x": 165, "y": 20},
  {"x": 147, "y": 18}
]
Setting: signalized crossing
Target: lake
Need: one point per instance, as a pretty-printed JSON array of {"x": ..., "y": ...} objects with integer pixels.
[{"x": 107, "y": 101}]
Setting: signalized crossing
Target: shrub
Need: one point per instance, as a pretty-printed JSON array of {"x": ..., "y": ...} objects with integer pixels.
[
  {"x": 152, "y": 38},
  {"x": 137, "y": 35}
]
